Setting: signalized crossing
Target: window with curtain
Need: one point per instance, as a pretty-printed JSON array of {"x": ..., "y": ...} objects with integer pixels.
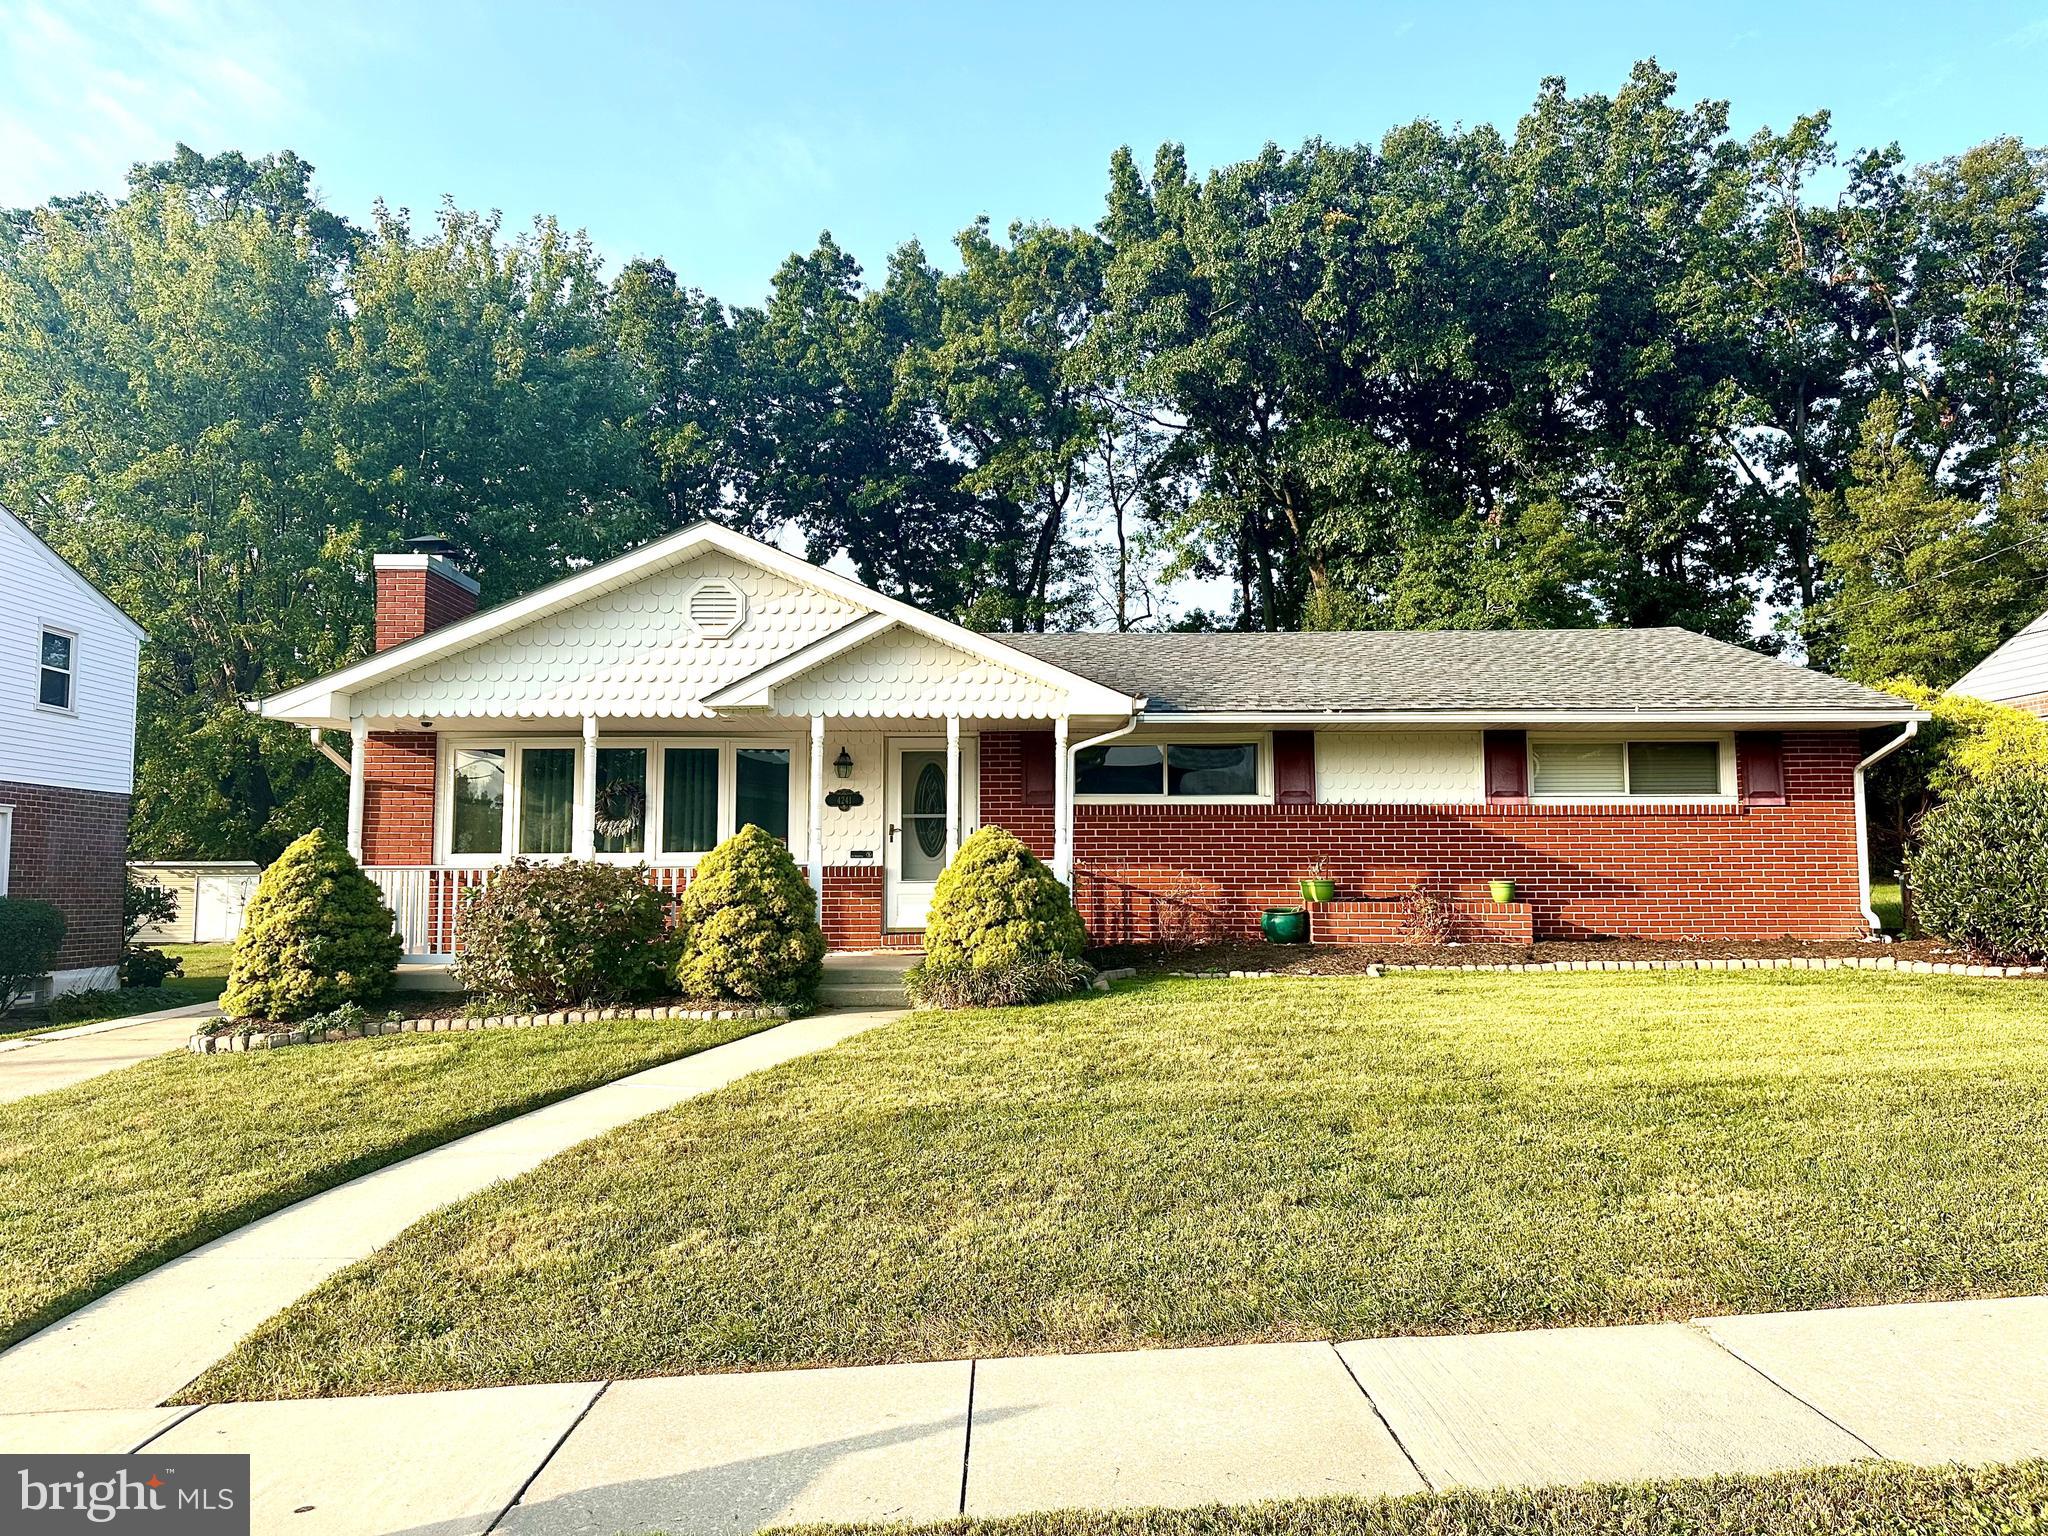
[
  {"x": 478, "y": 819},
  {"x": 761, "y": 789},
  {"x": 689, "y": 799},
  {"x": 1674, "y": 768},
  {"x": 620, "y": 822},
  {"x": 1578, "y": 768},
  {"x": 547, "y": 799}
]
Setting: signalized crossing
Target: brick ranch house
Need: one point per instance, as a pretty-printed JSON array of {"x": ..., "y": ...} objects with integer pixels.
[
  {"x": 68, "y": 661},
  {"x": 1631, "y": 783}
]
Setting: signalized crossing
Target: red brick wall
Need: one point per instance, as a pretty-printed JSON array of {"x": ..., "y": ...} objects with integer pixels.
[
  {"x": 1637, "y": 871},
  {"x": 412, "y": 602},
  {"x": 70, "y": 846},
  {"x": 1386, "y": 922},
  {"x": 398, "y": 797},
  {"x": 853, "y": 910},
  {"x": 1002, "y": 791}
]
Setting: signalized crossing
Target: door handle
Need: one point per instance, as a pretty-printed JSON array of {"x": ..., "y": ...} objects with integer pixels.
[{"x": 892, "y": 832}]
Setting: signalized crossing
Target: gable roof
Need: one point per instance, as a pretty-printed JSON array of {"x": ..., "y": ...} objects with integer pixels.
[
  {"x": 66, "y": 571},
  {"x": 1496, "y": 674},
  {"x": 2017, "y": 670}
]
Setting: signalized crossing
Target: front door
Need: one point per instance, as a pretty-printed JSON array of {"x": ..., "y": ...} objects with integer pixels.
[{"x": 917, "y": 828}]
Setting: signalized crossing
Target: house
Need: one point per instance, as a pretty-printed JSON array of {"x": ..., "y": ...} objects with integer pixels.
[
  {"x": 1631, "y": 783},
  {"x": 67, "y": 750},
  {"x": 2016, "y": 673},
  {"x": 211, "y": 896}
]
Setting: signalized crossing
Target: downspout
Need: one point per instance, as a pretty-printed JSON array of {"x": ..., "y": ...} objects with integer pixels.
[
  {"x": 1074, "y": 751},
  {"x": 328, "y": 752},
  {"x": 1863, "y": 818}
]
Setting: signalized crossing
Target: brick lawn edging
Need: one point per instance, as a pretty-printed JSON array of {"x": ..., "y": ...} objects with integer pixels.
[
  {"x": 274, "y": 1039},
  {"x": 1740, "y": 963}
]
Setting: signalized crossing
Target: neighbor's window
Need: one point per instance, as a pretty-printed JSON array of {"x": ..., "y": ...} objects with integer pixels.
[
  {"x": 547, "y": 799},
  {"x": 761, "y": 789},
  {"x": 1626, "y": 768},
  {"x": 621, "y": 815},
  {"x": 479, "y": 809},
  {"x": 55, "y": 686},
  {"x": 1183, "y": 770},
  {"x": 689, "y": 799}
]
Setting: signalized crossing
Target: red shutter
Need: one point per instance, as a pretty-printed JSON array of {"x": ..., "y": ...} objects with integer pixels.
[
  {"x": 1037, "y": 752},
  {"x": 1507, "y": 765},
  {"x": 1294, "y": 767},
  {"x": 1760, "y": 767}
]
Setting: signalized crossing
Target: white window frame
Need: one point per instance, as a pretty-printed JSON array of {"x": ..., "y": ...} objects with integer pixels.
[
  {"x": 1724, "y": 740},
  {"x": 1262, "y": 745},
  {"x": 70, "y": 707},
  {"x": 515, "y": 748},
  {"x": 6, "y": 845}
]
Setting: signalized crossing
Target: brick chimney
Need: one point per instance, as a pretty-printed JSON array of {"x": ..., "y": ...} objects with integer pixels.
[{"x": 420, "y": 590}]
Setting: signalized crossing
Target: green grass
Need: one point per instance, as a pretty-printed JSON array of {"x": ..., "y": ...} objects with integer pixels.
[
  {"x": 1889, "y": 905},
  {"x": 206, "y": 970},
  {"x": 204, "y": 979},
  {"x": 109, "y": 1178},
  {"x": 1188, "y": 1162},
  {"x": 1870, "y": 1499}
]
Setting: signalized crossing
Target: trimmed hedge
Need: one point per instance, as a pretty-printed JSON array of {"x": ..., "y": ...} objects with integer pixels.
[
  {"x": 317, "y": 935},
  {"x": 1001, "y": 929},
  {"x": 549, "y": 936},
  {"x": 31, "y": 933},
  {"x": 750, "y": 926},
  {"x": 1979, "y": 869}
]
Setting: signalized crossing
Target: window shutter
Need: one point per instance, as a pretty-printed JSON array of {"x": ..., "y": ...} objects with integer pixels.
[
  {"x": 1294, "y": 767},
  {"x": 1760, "y": 767},
  {"x": 1037, "y": 750},
  {"x": 1507, "y": 765}
]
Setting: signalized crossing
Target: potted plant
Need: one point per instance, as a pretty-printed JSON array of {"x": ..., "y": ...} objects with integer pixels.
[
  {"x": 1316, "y": 885},
  {"x": 1284, "y": 925},
  {"x": 1503, "y": 891}
]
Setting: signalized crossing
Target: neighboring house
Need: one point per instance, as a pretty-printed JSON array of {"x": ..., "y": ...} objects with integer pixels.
[
  {"x": 211, "y": 895},
  {"x": 1642, "y": 783},
  {"x": 2016, "y": 673},
  {"x": 67, "y": 750}
]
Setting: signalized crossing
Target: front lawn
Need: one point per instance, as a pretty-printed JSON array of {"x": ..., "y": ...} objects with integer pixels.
[
  {"x": 109, "y": 1178},
  {"x": 1189, "y": 1162}
]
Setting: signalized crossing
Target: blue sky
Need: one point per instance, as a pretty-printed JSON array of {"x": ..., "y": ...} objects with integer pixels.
[{"x": 724, "y": 136}]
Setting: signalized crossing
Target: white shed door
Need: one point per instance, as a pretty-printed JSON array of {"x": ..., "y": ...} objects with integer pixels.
[{"x": 217, "y": 905}]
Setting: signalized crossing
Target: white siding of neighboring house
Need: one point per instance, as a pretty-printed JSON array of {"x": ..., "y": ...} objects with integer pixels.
[
  {"x": 2017, "y": 672},
  {"x": 93, "y": 747},
  {"x": 901, "y": 673},
  {"x": 1400, "y": 767}
]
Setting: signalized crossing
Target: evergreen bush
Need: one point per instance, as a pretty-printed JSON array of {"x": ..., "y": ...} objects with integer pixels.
[
  {"x": 316, "y": 935},
  {"x": 1000, "y": 926},
  {"x": 1979, "y": 869},
  {"x": 750, "y": 926},
  {"x": 539, "y": 937},
  {"x": 31, "y": 933}
]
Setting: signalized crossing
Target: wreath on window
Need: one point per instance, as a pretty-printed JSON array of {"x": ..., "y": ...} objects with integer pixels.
[{"x": 621, "y": 808}]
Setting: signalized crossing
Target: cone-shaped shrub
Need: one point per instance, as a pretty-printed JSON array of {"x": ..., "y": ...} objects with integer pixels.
[
  {"x": 997, "y": 906},
  {"x": 1979, "y": 869},
  {"x": 750, "y": 926},
  {"x": 317, "y": 934}
]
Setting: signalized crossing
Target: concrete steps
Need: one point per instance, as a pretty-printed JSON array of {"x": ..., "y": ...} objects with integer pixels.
[{"x": 866, "y": 979}]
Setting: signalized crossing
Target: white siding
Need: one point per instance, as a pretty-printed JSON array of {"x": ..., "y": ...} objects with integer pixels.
[
  {"x": 624, "y": 654},
  {"x": 2017, "y": 670},
  {"x": 903, "y": 673},
  {"x": 1400, "y": 767},
  {"x": 92, "y": 747}
]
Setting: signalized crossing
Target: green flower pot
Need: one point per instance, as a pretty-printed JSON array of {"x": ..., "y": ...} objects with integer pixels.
[
  {"x": 1503, "y": 891},
  {"x": 1284, "y": 925},
  {"x": 1318, "y": 890}
]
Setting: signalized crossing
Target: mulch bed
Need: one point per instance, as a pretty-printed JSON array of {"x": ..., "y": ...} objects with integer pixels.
[{"x": 1355, "y": 959}]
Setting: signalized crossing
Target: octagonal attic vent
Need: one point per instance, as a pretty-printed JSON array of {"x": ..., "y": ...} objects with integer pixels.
[{"x": 716, "y": 607}]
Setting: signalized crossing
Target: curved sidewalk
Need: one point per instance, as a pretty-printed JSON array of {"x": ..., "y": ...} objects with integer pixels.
[{"x": 138, "y": 1345}]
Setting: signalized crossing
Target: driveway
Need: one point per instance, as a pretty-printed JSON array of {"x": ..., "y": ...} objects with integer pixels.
[{"x": 39, "y": 1063}]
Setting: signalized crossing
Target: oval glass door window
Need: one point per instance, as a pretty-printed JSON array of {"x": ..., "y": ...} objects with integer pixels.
[{"x": 924, "y": 815}]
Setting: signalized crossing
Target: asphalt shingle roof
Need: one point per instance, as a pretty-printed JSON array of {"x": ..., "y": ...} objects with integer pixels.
[{"x": 1538, "y": 670}]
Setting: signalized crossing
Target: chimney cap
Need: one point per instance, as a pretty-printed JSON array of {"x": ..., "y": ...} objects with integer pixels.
[{"x": 435, "y": 544}]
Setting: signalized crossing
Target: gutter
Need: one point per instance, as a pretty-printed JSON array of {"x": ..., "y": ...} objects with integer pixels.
[{"x": 1863, "y": 818}]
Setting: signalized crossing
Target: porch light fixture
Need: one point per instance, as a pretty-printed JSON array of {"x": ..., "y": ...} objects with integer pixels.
[{"x": 842, "y": 765}]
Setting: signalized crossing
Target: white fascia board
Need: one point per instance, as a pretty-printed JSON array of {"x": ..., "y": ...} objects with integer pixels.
[
  {"x": 757, "y": 689},
  {"x": 301, "y": 704},
  {"x": 1519, "y": 719}
]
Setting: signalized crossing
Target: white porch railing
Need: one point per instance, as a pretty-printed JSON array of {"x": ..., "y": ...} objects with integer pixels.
[{"x": 426, "y": 903}]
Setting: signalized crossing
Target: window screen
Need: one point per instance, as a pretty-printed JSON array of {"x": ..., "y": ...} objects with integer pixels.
[
  {"x": 1577, "y": 767},
  {"x": 1674, "y": 768}
]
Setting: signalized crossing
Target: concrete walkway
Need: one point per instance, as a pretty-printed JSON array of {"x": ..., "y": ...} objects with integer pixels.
[
  {"x": 1929, "y": 1383},
  {"x": 138, "y": 1345},
  {"x": 31, "y": 1064}
]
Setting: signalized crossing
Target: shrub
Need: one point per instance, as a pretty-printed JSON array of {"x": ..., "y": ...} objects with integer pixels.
[
  {"x": 31, "y": 933},
  {"x": 1428, "y": 917},
  {"x": 750, "y": 926},
  {"x": 144, "y": 965},
  {"x": 317, "y": 934},
  {"x": 997, "y": 906},
  {"x": 954, "y": 985},
  {"x": 547, "y": 936},
  {"x": 1979, "y": 869},
  {"x": 104, "y": 1003},
  {"x": 144, "y": 902}
]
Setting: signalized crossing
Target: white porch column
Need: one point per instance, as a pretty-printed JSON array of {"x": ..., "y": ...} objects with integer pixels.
[
  {"x": 583, "y": 839},
  {"x": 359, "y": 738},
  {"x": 1062, "y": 806},
  {"x": 952, "y": 786},
  {"x": 815, "y": 845}
]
